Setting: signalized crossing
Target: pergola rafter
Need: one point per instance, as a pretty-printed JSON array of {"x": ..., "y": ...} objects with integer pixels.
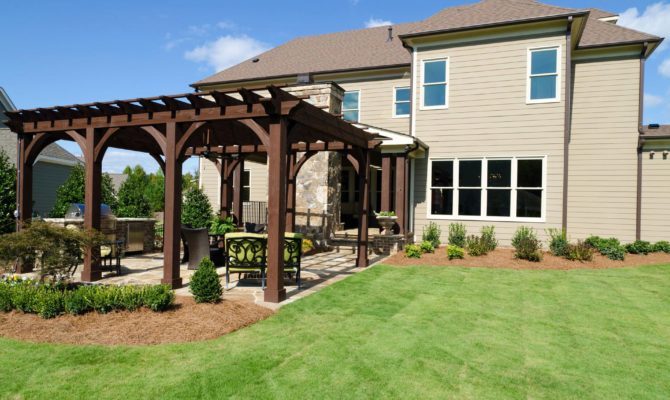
[{"x": 172, "y": 128}]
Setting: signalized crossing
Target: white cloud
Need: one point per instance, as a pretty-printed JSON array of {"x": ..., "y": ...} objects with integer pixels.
[
  {"x": 375, "y": 22},
  {"x": 654, "y": 19},
  {"x": 664, "y": 68},
  {"x": 226, "y": 51},
  {"x": 226, "y": 25},
  {"x": 652, "y": 100}
]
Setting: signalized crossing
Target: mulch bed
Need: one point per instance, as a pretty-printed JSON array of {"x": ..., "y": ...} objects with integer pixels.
[
  {"x": 186, "y": 322},
  {"x": 504, "y": 258}
]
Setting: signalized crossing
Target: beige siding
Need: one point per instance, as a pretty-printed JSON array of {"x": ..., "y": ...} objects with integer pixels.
[
  {"x": 603, "y": 158},
  {"x": 488, "y": 116},
  {"x": 655, "y": 195},
  {"x": 209, "y": 181},
  {"x": 258, "y": 181}
]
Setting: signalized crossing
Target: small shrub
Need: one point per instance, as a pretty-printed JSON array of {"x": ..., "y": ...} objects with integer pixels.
[
  {"x": 489, "y": 238},
  {"x": 131, "y": 297},
  {"x": 427, "y": 247},
  {"x": 579, "y": 251},
  {"x": 457, "y": 234},
  {"x": 610, "y": 248},
  {"x": 5, "y": 297},
  {"x": 221, "y": 226},
  {"x": 99, "y": 298},
  {"x": 476, "y": 246},
  {"x": 662, "y": 246},
  {"x": 413, "y": 251},
  {"x": 454, "y": 251},
  {"x": 616, "y": 253},
  {"x": 23, "y": 297},
  {"x": 49, "y": 303},
  {"x": 526, "y": 244},
  {"x": 158, "y": 297},
  {"x": 639, "y": 247},
  {"x": 558, "y": 242},
  {"x": 205, "y": 284},
  {"x": 75, "y": 302},
  {"x": 432, "y": 234}
]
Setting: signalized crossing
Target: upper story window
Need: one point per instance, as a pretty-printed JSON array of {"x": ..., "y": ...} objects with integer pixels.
[
  {"x": 543, "y": 76},
  {"x": 435, "y": 77},
  {"x": 401, "y": 102},
  {"x": 351, "y": 106}
]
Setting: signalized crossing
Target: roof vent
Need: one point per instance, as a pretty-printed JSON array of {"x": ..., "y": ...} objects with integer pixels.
[
  {"x": 390, "y": 38},
  {"x": 255, "y": 60},
  {"x": 654, "y": 126},
  {"x": 304, "y": 78}
]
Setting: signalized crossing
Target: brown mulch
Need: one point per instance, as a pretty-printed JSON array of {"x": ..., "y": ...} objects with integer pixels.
[
  {"x": 186, "y": 322},
  {"x": 504, "y": 258}
]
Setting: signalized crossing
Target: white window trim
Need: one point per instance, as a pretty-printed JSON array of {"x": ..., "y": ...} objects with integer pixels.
[
  {"x": 558, "y": 74},
  {"x": 445, "y": 83},
  {"x": 395, "y": 102},
  {"x": 353, "y": 109},
  {"x": 484, "y": 188}
]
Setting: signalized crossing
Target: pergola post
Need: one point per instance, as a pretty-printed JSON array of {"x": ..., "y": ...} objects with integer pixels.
[
  {"x": 226, "y": 189},
  {"x": 92, "y": 187},
  {"x": 401, "y": 181},
  {"x": 386, "y": 182},
  {"x": 24, "y": 194},
  {"x": 275, "y": 291},
  {"x": 172, "y": 223},
  {"x": 238, "y": 204},
  {"x": 290, "y": 192},
  {"x": 363, "y": 209}
]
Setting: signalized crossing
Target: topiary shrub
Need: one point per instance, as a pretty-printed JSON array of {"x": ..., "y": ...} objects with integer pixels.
[
  {"x": 489, "y": 238},
  {"x": 457, "y": 234},
  {"x": 476, "y": 246},
  {"x": 432, "y": 233},
  {"x": 579, "y": 252},
  {"x": 413, "y": 251},
  {"x": 427, "y": 247},
  {"x": 558, "y": 242},
  {"x": 196, "y": 211},
  {"x": 526, "y": 244},
  {"x": 454, "y": 252},
  {"x": 205, "y": 284},
  {"x": 639, "y": 247},
  {"x": 662, "y": 246}
]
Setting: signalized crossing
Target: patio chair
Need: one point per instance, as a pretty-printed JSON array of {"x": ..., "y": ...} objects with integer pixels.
[
  {"x": 245, "y": 253},
  {"x": 293, "y": 255},
  {"x": 110, "y": 256},
  {"x": 197, "y": 243},
  {"x": 251, "y": 227}
]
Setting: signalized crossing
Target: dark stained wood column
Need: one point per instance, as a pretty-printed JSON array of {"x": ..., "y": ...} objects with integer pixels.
[
  {"x": 363, "y": 209},
  {"x": 91, "y": 271},
  {"x": 401, "y": 191},
  {"x": 172, "y": 224},
  {"x": 386, "y": 182},
  {"x": 24, "y": 195},
  {"x": 238, "y": 204},
  {"x": 290, "y": 192},
  {"x": 226, "y": 187},
  {"x": 275, "y": 291}
]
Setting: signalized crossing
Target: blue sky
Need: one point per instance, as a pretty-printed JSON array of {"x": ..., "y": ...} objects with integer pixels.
[{"x": 74, "y": 51}]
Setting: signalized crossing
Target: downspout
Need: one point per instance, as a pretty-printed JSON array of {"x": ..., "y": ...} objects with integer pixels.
[
  {"x": 640, "y": 114},
  {"x": 19, "y": 167},
  {"x": 567, "y": 123},
  {"x": 412, "y": 115}
]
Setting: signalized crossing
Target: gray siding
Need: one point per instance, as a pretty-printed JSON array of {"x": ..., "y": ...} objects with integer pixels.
[{"x": 47, "y": 178}]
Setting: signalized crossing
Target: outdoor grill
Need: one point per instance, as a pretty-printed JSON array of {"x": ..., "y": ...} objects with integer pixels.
[{"x": 107, "y": 218}]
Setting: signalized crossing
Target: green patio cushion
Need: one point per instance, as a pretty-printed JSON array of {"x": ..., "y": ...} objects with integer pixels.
[{"x": 251, "y": 255}]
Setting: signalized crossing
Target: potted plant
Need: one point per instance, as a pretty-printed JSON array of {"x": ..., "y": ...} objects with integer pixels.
[{"x": 386, "y": 220}]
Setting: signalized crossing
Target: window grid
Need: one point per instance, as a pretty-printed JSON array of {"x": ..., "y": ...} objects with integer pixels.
[
  {"x": 531, "y": 75},
  {"x": 396, "y": 101},
  {"x": 444, "y": 83},
  {"x": 357, "y": 110}
]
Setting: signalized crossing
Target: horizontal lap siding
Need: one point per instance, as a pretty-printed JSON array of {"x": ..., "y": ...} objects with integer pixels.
[
  {"x": 47, "y": 178},
  {"x": 487, "y": 117},
  {"x": 603, "y": 160},
  {"x": 209, "y": 182},
  {"x": 655, "y": 196}
]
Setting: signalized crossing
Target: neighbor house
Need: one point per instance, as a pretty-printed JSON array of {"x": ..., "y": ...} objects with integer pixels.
[
  {"x": 52, "y": 167},
  {"x": 510, "y": 113}
]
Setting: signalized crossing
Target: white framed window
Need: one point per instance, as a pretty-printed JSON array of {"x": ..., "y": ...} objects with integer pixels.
[
  {"x": 544, "y": 81},
  {"x": 401, "y": 102},
  {"x": 488, "y": 188},
  {"x": 435, "y": 77},
  {"x": 351, "y": 106}
]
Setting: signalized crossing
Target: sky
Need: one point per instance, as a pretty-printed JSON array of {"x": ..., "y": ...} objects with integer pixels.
[{"x": 77, "y": 51}]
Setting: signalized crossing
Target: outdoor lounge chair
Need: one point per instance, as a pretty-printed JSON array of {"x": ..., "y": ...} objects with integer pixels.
[
  {"x": 245, "y": 253},
  {"x": 197, "y": 243}
]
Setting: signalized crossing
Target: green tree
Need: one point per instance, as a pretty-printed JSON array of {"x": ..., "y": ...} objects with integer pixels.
[
  {"x": 155, "y": 191},
  {"x": 7, "y": 194},
  {"x": 190, "y": 181},
  {"x": 196, "y": 211},
  {"x": 132, "y": 197},
  {"x": 72, "y": 191}
]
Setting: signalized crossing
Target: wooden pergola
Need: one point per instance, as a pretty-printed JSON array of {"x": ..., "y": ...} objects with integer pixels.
[{"x": 232, "y": 125}]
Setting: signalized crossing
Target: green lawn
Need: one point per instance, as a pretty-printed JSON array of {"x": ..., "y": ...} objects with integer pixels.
[{"x": 398, "y": 333}]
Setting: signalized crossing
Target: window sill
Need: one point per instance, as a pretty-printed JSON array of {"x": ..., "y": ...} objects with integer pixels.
[
  {"x": 400, "y": 116},
  {"x": 485, "y": 219},
  {"x": 543, "y": 101},
  {"x": 428, "y": 108}
]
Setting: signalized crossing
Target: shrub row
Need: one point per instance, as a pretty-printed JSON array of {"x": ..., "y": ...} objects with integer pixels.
[
  {"x": 458, "y": 242},
  {"x": 50, "y": 301}
]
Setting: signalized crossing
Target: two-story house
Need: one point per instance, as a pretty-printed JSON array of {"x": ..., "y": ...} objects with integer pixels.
[{"x": 526, "y": 114}]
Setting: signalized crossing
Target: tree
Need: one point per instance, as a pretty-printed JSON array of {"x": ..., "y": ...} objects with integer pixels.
[
  {"x": 7, "y": 194},
  {"x": 190, "y": 181},
  {"x": 155, "y": 191},
  {"x": 132, "y": 199},
  {"x": 72, "y": 191},
  {"x": 196, "y": 211}
]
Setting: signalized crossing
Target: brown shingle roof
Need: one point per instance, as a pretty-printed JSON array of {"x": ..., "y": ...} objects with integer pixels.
[
  {"x": 662, "y": 130},
  {"x": 600, "y": 33}
]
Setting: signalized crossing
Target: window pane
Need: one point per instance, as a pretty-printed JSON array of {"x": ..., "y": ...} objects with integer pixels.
[
  {"x": 442, "y": 201},
  {"x": 543, "y": 87},
  {"x": 470, "y": 173},
  {"x": 470, "y": 202},
  {"x": 529, "y": 173},
  {"x": 500, "y": 173},
  {"x": 402, "y": 94},
  {"x": 529, "y": 203},
  {"x": 402, "y": 109},
  {"x": 435, "y": 71},
  {"x": 245, "y": 178},
  {"x": 435, "y": 95},
  {"x": 350, "y": 101},
  {"x": 443, "y": 174},
  {"x": 543, "y": 62},
  {"x": 351, "y": 116},
  {"x": 246, "y": 194},
  {"x": 498, "y": 203}
]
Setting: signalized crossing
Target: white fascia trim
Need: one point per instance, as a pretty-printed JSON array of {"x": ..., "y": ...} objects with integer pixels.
[{"x": 58, "y": 161}]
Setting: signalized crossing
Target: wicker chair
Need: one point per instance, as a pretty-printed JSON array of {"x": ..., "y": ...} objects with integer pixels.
[{"x": 197, "y": 243}]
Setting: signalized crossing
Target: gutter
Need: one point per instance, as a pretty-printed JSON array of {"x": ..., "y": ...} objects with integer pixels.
[
  {"x": 641, "y": 141},
  {"x": 567, "y": 122}
]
